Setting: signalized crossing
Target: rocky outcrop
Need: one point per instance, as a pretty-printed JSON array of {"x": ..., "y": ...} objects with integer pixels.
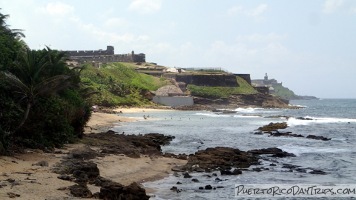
[
  {"x": 80, "y": 191},
  {"x": 228, "y": 160},
  {"x": 78, "y": 168},
  {"x": 274, "y": 152},
  {"x": 130, "y": 145},
  {"x": 75, "y": 169},
  {"x": 220, "y": 158},
  {"x": 116, "y": 191},
  {"x": 273, "y": 126},
  {"x": 273, "y": 130},
  {"x": 318, "y": 137}
]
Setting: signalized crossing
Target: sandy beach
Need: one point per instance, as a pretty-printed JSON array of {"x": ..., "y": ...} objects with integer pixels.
[{"x": 29, "y": 175}]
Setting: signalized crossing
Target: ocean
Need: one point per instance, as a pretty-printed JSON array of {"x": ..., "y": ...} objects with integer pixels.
[{"x": 196, "y": 130}]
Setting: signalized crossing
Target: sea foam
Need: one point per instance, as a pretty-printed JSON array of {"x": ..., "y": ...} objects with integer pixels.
[
  {"x": 309, "y": 120},
  {"x": 298, "y": 150}
]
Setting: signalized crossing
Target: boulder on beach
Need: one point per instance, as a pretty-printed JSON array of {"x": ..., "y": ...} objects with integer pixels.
[{"x": 116, "y": 191}]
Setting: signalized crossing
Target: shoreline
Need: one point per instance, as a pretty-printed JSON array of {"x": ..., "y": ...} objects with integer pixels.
[{"x": 22, "y": 174}]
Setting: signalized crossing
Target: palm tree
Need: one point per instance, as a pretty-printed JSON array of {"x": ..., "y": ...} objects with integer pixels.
[{"x": 32, "y": 80}]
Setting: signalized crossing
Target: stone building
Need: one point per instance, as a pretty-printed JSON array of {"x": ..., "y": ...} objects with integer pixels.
[{"x": 105, "y": 56}]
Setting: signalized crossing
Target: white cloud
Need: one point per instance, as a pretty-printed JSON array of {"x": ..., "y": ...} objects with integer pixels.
[
  {"x": 110, "y": 37},
  {"x": 145, "y": 6},
  {"x": 331, "y": 6},
  {"x": 353, "y": 10},
  {"x": 57, "y": 8},
  {"x": 256, "y": 12},
  {"x": 115, "y": 22},
  {"x": 235, "y": 10},
  {"x": 259, "y": 38}
]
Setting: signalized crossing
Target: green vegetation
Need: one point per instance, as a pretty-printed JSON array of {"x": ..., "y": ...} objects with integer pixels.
[
  {"x": 119, "y": 84},
  {"x": 284, "y": 92},
  {"x": 218, "y": 70},
  {"x": 41, "y": 101},
  {"x": 222, "y": 92}
]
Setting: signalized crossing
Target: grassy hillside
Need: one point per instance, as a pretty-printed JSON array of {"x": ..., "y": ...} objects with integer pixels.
[
  {"x": 284, "y": 92},
  {"x": 119, "y": 84},
  {"x": 222, "y": 92}
]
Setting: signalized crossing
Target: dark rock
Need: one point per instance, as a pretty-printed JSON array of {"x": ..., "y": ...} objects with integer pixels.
[
  {"x": 12, "y": 195},
  {"x": 116, "y": 191},
  {"x": 186, "y": 175},
  {"x": 275, "y": 152},
  {"x": 84, "y": 153},
  {"x": 273, "y": 126},
  {"x": 218, "y": 179},
  {"x": 272, "y": 164},
  {"x": 220, "y": 157},
  {"x": 174, "y": 188},
  {"x": 304, "y": 118},
  {"x": 65, "y": 177},
  {"x": 236, "y": 172},
  {"x": 201, "y": 188},
  {"x": 195, "y": 180},
  {"x": 316, "y": 171},
  {"x": 80, "y": 191},
  {"x": 318, "y": 137},
  {"x": 290, "y": 166},
  {"x": 257, "y": 169},
  {"x": 130, "y": 145},
  {"x": 285, "y": 134},
  {"x": 82, "y": 171},
  {"x": 160, "y": 139},
  {"x": 80, "y": 176},
  {"x": 102, "y": 182},
  {"x": 214, "y": 174},
  {"x": 208, "y": 187},
  {"x": 42, "y": 163},
  {"x": 179, "y": 156},
  {"x": 301, "y": 170},
  {"x": 220, "y": 187},
  {"x": 228, "y": 172},
  {"x": 178, "y": 183}
]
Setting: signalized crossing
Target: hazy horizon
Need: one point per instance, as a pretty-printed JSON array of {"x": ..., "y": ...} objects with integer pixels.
[{"x": 307, "y": 45}]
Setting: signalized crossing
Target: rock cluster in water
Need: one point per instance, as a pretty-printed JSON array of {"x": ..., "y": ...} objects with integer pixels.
[{"x": 273, "y": 130}]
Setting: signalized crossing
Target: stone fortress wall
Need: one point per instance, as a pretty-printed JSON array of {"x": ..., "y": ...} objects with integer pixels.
[{"x": 105, "y": 56}]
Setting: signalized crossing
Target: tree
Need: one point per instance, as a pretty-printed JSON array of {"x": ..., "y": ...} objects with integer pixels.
[
  {"x": 33, "y": 78},
  {"x": 11, "y": 44}
]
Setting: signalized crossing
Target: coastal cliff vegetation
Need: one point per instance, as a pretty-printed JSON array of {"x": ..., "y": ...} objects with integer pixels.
[
  {"x": 222, "y": 92},
  {"x": 117, "y": 84},
  {"x": 41, "y": 101}
]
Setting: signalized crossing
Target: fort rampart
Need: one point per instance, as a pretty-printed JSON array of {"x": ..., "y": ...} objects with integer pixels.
[
  {"x": 105, "y": 56},
  {"x": 213, "y": 80}
]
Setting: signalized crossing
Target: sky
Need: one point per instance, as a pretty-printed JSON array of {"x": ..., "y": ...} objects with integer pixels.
[{"x": 309, "y": 46}]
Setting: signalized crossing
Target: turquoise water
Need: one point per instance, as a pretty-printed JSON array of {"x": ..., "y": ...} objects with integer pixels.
[{"x": 195, "y": 130}]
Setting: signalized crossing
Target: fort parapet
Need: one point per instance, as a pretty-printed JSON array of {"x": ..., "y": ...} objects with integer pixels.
[{"x": 105, "y": 56}]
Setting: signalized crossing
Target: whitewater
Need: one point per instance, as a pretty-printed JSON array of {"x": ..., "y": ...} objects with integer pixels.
[{"x": 197, "y": 130}]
